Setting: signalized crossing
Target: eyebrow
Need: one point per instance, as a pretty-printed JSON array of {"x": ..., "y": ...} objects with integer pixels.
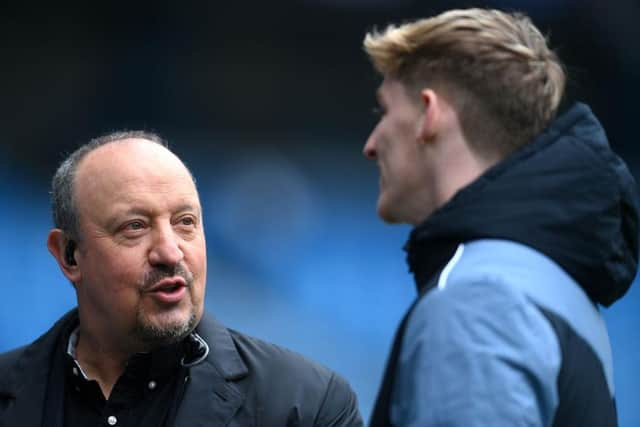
[
  {"x": 135, "y": 210},
  {"x": 184, "y": 207},
  {"x": 189, "y": 207}
]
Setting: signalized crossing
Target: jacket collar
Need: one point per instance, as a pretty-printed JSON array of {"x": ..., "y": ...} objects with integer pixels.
[
  {"x": 215, "y": 390},
  {"x": 24, "y": 383},
  {"x": 223, "y": 353},
  {"x": 565, "y": 194}
]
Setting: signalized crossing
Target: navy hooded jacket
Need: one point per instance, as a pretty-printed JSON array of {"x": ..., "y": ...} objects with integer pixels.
[{"x": 510, "y": 274}]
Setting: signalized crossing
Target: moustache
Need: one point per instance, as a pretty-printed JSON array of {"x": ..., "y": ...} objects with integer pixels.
[{"x": 158, "y": 273}]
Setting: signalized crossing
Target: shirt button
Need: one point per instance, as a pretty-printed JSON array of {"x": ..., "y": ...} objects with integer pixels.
[
  {"x": 152, "y": 385},
  {"x": 75, "y": 371},
  {"x": 112, "y": 420}
]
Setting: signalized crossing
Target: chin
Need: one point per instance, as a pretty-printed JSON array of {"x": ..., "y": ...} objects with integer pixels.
[
  {"x": 392, "y": 215},
  {"x": 387, "y": 213},
  {"x": 165, "y": 328}
]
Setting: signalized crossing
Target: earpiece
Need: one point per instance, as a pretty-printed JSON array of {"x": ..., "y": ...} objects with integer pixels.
[{"x": 68, "y": 252}]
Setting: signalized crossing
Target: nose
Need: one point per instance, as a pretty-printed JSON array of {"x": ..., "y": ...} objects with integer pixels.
[
  {"x": 165, "y": 250},
  {"x": 369, "y": 150}
]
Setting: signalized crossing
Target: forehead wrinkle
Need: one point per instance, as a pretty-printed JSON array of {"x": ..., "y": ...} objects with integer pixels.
[
  {"x": 129, "y": 172},
  {"x": 136, "y": 207},
  {"x": 146, "y": 201},
  {"x": 121, "y": 210}
]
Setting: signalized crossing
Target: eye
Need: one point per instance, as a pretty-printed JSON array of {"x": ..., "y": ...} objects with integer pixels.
[
  {"x": 134, "y": 225},
  {"x": 378, "y": 111},
  {"x": 187, "y": 221}
]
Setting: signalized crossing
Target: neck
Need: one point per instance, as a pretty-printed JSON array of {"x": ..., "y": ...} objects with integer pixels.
[
  {"x": 460, "y": 166},
  {"x": 101, "y": 363}
]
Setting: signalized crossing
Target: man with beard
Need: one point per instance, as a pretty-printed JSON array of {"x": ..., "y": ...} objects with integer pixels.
[
  {"x": 138, "y": 350},
  {"x": 524, "y": 224}
]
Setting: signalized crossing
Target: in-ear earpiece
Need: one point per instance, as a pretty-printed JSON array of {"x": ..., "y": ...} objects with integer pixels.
[{"x": 68, "y": 252}]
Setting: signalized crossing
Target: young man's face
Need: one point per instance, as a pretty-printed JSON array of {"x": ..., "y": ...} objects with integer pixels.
[
  {"x": 142, "y": 256},
  {"x": 405, "y": 194}
]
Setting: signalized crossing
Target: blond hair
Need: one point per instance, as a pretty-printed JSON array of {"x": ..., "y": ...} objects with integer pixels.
[{"x": 494, "y": 67}]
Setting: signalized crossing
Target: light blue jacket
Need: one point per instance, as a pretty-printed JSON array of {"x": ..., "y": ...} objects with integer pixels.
[{"x": 487, "y": 346}]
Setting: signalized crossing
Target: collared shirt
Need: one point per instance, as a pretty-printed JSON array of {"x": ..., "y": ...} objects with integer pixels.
[{"x": 146, "y": 394}]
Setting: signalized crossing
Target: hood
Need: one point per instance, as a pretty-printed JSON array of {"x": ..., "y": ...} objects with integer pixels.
[{"x": 566, "y": 194}]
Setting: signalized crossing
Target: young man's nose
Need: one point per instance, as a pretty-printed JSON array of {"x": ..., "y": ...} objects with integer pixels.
[{"x": 369, "y": 150}]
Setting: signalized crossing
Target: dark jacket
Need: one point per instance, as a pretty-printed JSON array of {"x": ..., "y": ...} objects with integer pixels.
[
  {"x": 510, "y": 273},
  {"x": 242, "y": 382}
]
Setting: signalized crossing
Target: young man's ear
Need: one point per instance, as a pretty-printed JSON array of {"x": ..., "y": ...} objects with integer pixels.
[
  {"x": 64, "y": 251},
  {"x": 430, "y": 120}
]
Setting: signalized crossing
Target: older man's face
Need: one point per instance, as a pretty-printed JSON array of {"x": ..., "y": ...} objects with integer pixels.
[{"x": 142, "y": 253}]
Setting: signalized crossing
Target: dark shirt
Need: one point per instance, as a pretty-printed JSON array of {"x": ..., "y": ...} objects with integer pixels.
[{"x": 147, "y": 393}]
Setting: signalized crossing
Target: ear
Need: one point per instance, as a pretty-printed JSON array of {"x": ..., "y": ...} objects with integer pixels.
[
  {"x": 57, "y": 242},
  {"x": 431, "y": 116}
]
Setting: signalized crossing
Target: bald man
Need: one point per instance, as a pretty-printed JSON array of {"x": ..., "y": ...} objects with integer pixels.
[{"x": 138, "y": 350}]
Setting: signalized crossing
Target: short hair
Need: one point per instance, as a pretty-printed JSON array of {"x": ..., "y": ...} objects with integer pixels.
[
  {"x": 494, "y": 67},
  {"x": 63, "y": 206}
]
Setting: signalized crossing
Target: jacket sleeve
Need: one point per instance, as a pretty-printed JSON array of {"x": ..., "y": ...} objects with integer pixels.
[
  {"x": 339, "y": 406},
  {"x": 478, "y": 354}
]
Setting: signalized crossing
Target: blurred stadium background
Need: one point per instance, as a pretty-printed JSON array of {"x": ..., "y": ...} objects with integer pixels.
[{"x": 269, "y": 104}]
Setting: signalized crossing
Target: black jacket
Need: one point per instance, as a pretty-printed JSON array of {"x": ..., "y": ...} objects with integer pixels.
[{"x": 242, "y": 382}]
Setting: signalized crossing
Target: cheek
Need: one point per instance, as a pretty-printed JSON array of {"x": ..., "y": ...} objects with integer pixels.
[
  {"x": 196, "y": 259},
  {"x": 120, "y": 272},
  {"x": 396, "y": 140}
]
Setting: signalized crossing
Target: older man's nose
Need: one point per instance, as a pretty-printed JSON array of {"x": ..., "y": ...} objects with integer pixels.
[{"x": 166, "y": 248}]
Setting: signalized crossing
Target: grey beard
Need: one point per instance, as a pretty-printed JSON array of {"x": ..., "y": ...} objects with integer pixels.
[
  {"x": 151, "y": 335},
  {"x": 154, "y": 336}
]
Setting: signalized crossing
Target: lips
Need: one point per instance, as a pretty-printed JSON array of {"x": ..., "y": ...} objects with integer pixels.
[
  {"x": 168, "y": 284},
  {"x": 168, "y": 290}
]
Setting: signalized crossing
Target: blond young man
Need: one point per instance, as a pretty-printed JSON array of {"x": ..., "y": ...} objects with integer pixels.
[{"x": 524, "y": 224}]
